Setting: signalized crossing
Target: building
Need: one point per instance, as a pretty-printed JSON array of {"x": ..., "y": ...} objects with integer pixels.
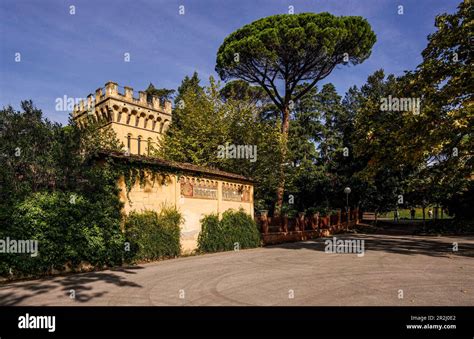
[{"x": 139, "y": 123}]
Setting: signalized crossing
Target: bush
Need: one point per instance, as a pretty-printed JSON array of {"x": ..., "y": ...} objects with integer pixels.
[
  {"x": 289, "y": 211},
  {"x": 235, "y": 227},
  {"x": 69, "y": 231},
  {"x": 153, "y": 236}
]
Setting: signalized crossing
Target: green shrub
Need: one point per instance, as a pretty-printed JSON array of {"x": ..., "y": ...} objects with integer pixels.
[
  {"x": 68, "y": 231},
  {"x": 212, "y": 237},
  {"x": 153, "y": 236},
  {"x": 289, "y": 211},
  {"x": 236, "y": 227}
]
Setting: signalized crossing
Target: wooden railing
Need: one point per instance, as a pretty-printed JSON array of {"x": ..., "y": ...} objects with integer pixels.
[{"x": 284, "y": 229}]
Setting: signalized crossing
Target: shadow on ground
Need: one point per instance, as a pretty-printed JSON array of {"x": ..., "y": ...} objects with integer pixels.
[
  {"x": 398, "y": 243},
  {"x": 79, "y": 284}
]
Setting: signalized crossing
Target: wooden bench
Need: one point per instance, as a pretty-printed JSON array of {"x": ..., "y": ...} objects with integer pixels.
[{"x": 368, "y": 216}]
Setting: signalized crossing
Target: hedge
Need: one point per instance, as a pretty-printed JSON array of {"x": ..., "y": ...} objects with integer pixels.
[
  {"x": 153, "y": 236},
  {"x": 70, "y": 230},
  {"x": 236, "y": 230}
]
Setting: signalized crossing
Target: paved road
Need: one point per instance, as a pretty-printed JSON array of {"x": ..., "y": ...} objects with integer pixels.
[{"x": 424, "y": 268}]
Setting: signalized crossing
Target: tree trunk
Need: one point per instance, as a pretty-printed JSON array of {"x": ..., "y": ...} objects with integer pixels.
[{"x": 285, "y": 126}]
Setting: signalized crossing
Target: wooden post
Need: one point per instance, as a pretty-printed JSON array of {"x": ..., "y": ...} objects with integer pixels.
[
  {"x": 301, "y": 221},
  {"x": 285, "y": 223},
  {"x": 314, "y": 221},
  {"x": 318, "y": 220},
  {"x": 264, "y": 221}
]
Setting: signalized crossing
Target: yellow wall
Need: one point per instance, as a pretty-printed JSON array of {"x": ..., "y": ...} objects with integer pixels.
[
  {"x": 153, "y": 197},
  {"x": 122, "y": 131},
  {"x": 127, "y": 115}
]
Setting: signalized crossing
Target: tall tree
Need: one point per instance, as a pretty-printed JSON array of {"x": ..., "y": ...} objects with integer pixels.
[
  {"x": 443, "y": 146},
  {"x": 376, "y": 143},
  {"x": 281, "y": 51},
  {"x": 164, "y": 94},
  {"x": 189, "y": 85},
  {"x": 304, "y": 175}
]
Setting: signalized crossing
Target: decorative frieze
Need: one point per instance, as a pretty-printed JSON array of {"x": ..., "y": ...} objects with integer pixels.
[
  {"x": 198, "y": 188},
  {"x": 235, "y": 192},
  {"x": 207, "y": 189}
]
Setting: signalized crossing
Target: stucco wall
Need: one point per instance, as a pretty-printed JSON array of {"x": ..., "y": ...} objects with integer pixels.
[{"x": 154, "y": 196}]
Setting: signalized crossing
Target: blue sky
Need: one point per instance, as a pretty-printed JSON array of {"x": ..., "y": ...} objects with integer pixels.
[{"x": 64, "y": 54}]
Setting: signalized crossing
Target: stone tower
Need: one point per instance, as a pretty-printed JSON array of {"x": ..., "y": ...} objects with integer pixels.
[{"x": 137, "y": 122}]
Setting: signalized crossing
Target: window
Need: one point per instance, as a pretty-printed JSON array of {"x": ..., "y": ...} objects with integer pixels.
[
  {"x": 129, "y": 142},
  {"x": 148, "y": 146},
  {"x": 139, "y": 141}
]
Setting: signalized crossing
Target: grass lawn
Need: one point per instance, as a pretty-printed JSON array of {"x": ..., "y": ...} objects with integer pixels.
[{"x": 405, "y": 214}]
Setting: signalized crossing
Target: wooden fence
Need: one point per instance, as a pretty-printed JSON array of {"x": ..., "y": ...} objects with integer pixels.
[{"x": 282, "y": 229}]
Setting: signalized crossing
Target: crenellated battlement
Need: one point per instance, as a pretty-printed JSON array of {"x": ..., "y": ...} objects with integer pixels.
[
  {"x": 137, "y": 120},
  {"x": 113, "y": 90}
]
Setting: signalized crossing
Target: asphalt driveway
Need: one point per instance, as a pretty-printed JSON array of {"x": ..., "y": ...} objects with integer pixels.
[{"x": 395, "y": 270}]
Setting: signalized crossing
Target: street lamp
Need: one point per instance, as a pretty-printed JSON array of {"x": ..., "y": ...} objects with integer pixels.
[{"x": 347, "y": 190}]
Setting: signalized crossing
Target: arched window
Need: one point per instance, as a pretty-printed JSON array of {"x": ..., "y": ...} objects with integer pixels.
[
  {"x": 139, "y": 142},
  {"x": 129, "y": 142},
  {"x": 148, "y": 146}
]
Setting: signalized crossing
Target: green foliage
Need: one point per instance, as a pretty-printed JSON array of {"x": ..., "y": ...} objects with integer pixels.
[
  {"x": 444, "y": 128},
  {"x": 406, "y": 213},
  {"x": 378, "y": 170},
  {"x": 286, "y": 55},
  {"x": 47, "y": 156},
  {"x": 40, "y": 174},
  {"x": 322, "y": 210},
  {"x": 29, "y": 149},
  {"x": 318, "y": 171},
  {"x": 426, "y": 156},
  {"x": 153, "y": 236},
  {"x": 70, "y": 230},
  {"x": 235, "y": 229},
  {"x": 208, "y": 120},
  {"x": 300, "y": 136},
  {"x": 164, "y": 94},
  {"x": 308, "y": 44},
  {"x": 241, "y": 90},
  {"x": 188, "y": 85},
  {"x": 289, "y": 210},
  {"x": 390, "y": 153},
  {"x": 202, "y": 127}
]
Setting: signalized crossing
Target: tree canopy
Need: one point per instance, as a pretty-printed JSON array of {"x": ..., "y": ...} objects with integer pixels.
[
  {"x": 293, "y": 48},
  {"x": 286, "y": 55}
]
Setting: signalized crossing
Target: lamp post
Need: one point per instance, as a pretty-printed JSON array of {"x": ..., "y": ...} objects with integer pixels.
[{"x": 347, "y": 190}]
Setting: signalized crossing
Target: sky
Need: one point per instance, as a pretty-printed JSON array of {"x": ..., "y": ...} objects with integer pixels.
[{"x": 64, "y": 54}]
